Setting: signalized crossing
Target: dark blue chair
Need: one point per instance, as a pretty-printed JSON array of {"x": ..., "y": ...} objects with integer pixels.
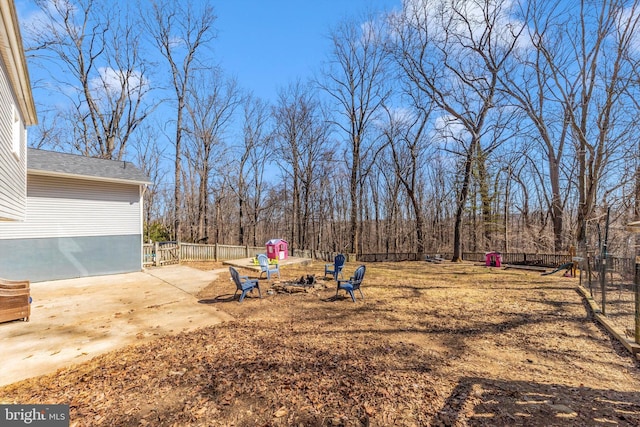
[
  {"x": 243, "y": 284},
  {"x": 338, "y": 265},
  {"x": 265, "y": 267},
  {"x": 353, "y": 283}
]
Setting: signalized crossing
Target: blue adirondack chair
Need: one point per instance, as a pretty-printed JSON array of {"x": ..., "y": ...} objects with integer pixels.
[
  {"x": 243, "y": 284},
  {"x": 265, "y": 267},
  {"x": 338, "y": 265},
  {"x": 353, "y": 283}
]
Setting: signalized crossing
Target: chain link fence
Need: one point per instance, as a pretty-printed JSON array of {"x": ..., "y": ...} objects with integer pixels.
[{"x": 612, "y": 283}]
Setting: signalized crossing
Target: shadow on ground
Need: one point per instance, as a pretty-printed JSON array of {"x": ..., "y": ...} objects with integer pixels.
[{"x": 481, "y": 401}]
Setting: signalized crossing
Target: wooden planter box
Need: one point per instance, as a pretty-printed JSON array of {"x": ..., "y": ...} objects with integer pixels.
[{"x": 14, "y": 300}]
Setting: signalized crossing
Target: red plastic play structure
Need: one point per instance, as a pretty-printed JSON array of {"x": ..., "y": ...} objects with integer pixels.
[{"x": 493, "y": 259}]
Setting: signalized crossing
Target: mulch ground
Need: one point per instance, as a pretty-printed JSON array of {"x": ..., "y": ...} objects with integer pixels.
[{"x": 430, "y": 345}]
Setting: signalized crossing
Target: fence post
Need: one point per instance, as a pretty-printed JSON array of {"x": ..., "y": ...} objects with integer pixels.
[
  {"x": 215, "y": 252},
  {"x": 605, "y": 255},
  {"x": 156, "y": 252},
  {"x": 603, "y": 284}
]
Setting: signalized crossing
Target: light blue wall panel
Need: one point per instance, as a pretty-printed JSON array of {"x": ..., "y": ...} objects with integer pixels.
[{"x": 68, "y": 257}]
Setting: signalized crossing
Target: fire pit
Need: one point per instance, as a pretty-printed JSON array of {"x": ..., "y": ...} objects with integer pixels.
[
  {"x": 304, "y": 284},
  {"x": 308, "y": 280}
]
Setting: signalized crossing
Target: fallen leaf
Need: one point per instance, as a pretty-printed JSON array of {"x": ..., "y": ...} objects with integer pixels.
[{"x": 280, "y": 412}]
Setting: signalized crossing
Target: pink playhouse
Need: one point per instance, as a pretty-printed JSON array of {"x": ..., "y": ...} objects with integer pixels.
[
  {"x": 277, "y": 249},
  {"x": 493, "y": 259}
]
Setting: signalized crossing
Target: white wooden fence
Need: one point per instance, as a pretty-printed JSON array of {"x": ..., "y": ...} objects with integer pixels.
[{"x": 164, "y": 253}]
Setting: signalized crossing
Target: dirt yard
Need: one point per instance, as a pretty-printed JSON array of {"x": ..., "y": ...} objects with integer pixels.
[{"x": 431, "y": 345}]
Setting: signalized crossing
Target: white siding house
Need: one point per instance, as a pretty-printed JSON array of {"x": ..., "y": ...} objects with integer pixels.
[
  {"x": 83, "y": 218},
  {"x": 17, "y": 111}
]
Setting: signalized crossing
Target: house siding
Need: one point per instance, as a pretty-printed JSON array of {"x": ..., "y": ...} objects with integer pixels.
[
  {"x": 55, "y": 258},
  {"x": 73, "y": 228},
  {"x": 13, "y": 170},
  {"x": 63, "y": 207}
]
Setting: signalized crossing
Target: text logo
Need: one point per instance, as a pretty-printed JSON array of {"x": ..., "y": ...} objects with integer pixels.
[{"x": 34, "y": 415}]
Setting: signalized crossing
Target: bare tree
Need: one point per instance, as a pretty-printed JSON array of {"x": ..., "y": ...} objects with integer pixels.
[
  {"x": 439, "y": 198},
  {"x": 599, "y": 123},
  {"x": 94, "y": 58},
  {"x": 355, "y": 79},
  {"x": 149, "y": 159},
  {"x": 382, "y": 204},
  {"x": 452, "y": 51},
  {"x": 300, "y": 141},
  {"x": 529, "y": 82},
  {"x": 571, "y": 82},
  {"x": 211, "y": 102},
  {"x": 254, "y": 154},
  {"x": 181, "y": 33},
  {"x": 408, "y": 140},
  {"x": 331, "y": 204},
  {"x": 633, "y": 155}
]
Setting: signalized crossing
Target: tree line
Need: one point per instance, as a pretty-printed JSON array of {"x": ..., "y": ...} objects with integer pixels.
[{"x": 442, "y": 126}]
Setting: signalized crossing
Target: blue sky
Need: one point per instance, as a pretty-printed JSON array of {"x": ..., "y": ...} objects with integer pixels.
[{"x": 267, "y": 44}]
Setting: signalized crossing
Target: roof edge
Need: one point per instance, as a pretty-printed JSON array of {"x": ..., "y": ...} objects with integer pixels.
[
  {"x": 13, "y": 55},
  {"x": 41, "y": 172}
]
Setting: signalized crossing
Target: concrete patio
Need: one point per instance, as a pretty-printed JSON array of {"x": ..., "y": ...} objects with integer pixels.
[{"x": 75, "y": 320}]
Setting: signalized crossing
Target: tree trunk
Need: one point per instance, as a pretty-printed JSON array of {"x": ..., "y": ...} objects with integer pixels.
[
  {"x": 203, "y": 206},
  {"x": 488, "y": 225},
  {"x": 461, "y": 203},
  {"x": 353, "y": 194},
  {"x": 177, "y": 194},
  {"x": 557, "y": 211}
]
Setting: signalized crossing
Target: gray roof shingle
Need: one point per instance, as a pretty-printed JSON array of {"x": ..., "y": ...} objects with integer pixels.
[{"x": 51, "y": 162}]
